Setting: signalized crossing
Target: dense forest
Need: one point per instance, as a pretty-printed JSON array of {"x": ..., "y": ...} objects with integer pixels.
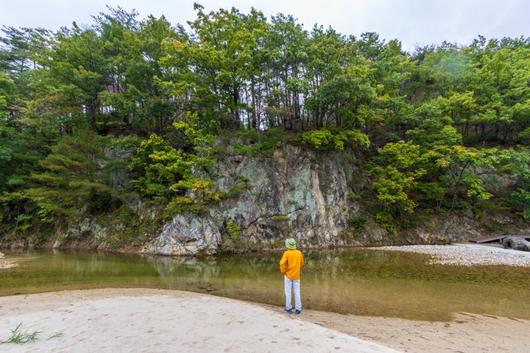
[{"x": 427, "y": 125}]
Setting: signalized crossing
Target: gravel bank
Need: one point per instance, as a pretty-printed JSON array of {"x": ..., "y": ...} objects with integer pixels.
[{"x": 467, "y": 254}]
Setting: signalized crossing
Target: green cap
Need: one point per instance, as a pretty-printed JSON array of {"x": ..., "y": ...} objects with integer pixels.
[{"x": 290, "y": 243}]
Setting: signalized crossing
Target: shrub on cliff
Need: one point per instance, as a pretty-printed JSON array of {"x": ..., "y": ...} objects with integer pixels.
[{"x": 325, "y": 139}]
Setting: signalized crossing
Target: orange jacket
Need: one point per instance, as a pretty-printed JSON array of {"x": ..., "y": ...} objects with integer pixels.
[{"x": 291, "y": 264}]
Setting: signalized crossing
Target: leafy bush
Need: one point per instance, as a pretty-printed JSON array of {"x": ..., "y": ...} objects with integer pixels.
[
  {"x": 444, "y": 176},
  {"x": 233, "y": 230},
  {"x": 324, "y": 139},
  {"x": 357, "y": 222},
  {"x": 181, "y": 178},
  {"x": 178, "y": 177},
  {"x": 396, "y": 176},
  {"x": 515, "y": 164},
  {"x": 318, "y": 139},
  {"x": 264, "y": 142}
]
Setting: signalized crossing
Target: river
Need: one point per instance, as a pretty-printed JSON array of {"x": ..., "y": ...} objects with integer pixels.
[{"x": 363, "y": 282}]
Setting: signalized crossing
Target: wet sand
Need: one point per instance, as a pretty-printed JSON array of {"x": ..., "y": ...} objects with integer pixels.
[{"x": 465, "y": 333}]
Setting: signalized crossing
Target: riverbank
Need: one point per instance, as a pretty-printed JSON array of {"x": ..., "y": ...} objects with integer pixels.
[
  {"x": 466, "y": 254},
  {"x": 147, "y": 320},
  {"x": 141, "y": 320},
  {"x": 465, "y": 332}
]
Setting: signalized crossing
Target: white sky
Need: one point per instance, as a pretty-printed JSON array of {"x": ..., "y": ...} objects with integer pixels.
[{"x": 414, "y": 22}]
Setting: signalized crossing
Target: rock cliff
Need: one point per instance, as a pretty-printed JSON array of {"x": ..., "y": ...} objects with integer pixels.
[
  {"x": 294, "y": 192},
  {"x": 298, "y": 192}
]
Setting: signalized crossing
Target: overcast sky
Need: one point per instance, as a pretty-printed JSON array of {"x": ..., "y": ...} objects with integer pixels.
[{"x": 414, "y": 22}]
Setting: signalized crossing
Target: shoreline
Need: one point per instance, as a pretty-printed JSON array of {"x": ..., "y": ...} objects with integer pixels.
[
  {"x": 465, "y": 332},
  {"x": 462, "y": 254},
  {"x": 118, "y": 311},
  {"x": 146, "y": 320}
]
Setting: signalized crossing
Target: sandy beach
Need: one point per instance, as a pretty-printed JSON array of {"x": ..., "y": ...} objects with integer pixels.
[
  {"x": 147, "y": 320},
  {"x": 151, "y": 321}
]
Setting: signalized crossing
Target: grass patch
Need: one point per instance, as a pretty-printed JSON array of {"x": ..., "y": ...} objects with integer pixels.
[{"x": 19, "y": 337}]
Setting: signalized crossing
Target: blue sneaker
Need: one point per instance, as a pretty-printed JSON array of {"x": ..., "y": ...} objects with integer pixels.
[
  {"x": 298, "y": 312},
  {"x": 288, "y": 311}
]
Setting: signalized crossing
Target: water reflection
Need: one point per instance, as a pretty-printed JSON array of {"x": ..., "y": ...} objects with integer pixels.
[{"x": 346, "y": 281}]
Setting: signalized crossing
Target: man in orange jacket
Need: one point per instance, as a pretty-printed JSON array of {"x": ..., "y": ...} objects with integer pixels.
[{"x": 291, "y": 265}]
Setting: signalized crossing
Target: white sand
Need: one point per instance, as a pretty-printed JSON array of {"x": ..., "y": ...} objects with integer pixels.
[
  {"x": 122, "y": 320},
  {"x": 467, "y": 254}
]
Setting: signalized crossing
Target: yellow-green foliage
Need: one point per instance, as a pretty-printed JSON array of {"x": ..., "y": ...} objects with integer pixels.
[
  {"x": 162, "y": 166},
  {"x": 233, "y": 230},
  {"x": 441, "y": 176},
  {"x": 179, "y": 176},
  {"x": 397, "y": 175},
  {"x": 324, "y": 139}
]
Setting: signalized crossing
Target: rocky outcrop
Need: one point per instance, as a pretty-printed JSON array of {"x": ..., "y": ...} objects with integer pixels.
[
  {"x": 294, "y": 192},
  {"x": 297, "y": 192},
  {"x": 87, "y": 234},
  {"x": 313, "y": 196},
  {"x": 185, "y": 235}
]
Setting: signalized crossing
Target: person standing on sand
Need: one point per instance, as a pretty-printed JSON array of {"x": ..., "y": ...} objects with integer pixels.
[{"x": 291, "y": 265}]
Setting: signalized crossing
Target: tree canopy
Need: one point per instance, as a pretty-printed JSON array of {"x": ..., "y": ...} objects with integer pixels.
[{"x": 427, "y": 123}]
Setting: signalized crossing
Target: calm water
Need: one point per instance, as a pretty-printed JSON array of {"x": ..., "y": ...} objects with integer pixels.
[{"x": 362, "y": 282}]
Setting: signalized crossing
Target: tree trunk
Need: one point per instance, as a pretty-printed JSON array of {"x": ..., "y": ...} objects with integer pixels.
[
  {"x": 254, "y": 105},
  {"x": 92, "y": 111}
]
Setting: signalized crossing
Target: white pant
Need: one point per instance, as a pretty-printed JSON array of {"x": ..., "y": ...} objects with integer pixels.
[{"x": 291, "y": 284}]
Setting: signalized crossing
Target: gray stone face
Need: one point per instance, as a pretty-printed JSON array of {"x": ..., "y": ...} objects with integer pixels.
[
  {"x": 87, "y": 231},
  {"x": 294, "y": 192},
  {"x": 186, "y": 235}
]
